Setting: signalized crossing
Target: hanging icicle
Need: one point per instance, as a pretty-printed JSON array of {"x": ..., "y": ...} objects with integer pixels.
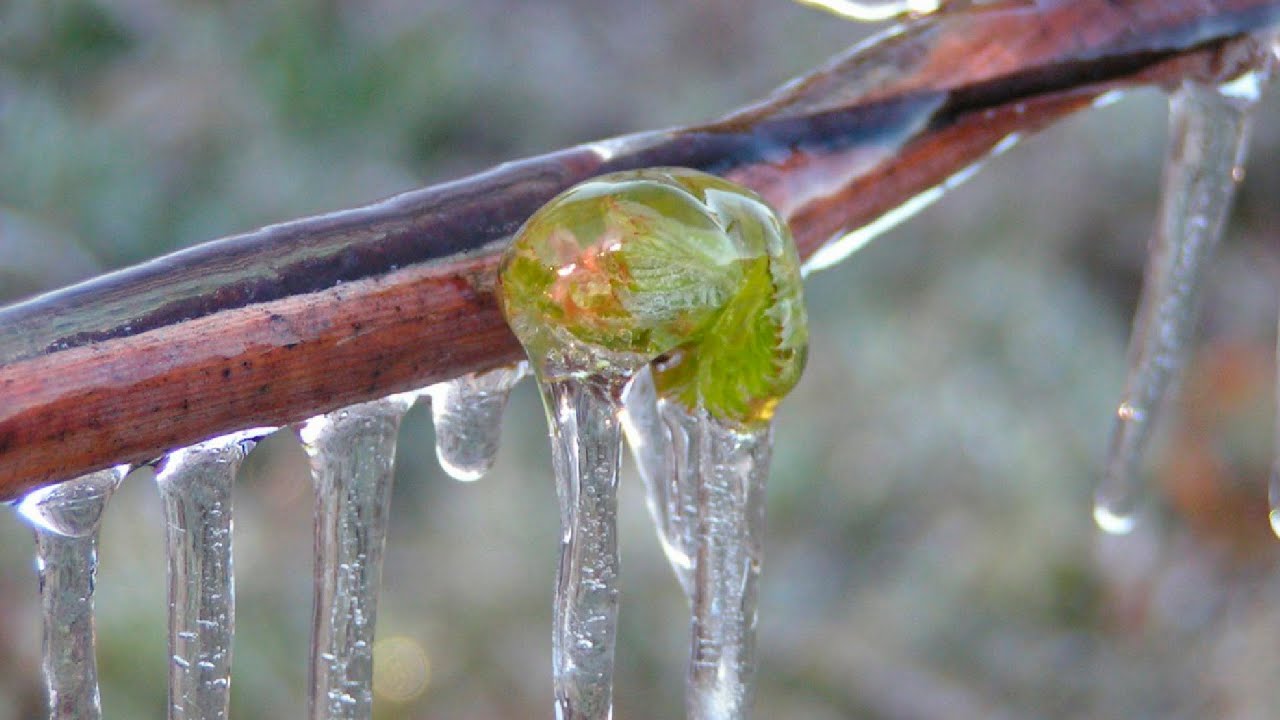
[
  {"x": 352, "y": 453},
  {"x": 687, "y": 288},
  {"x": 467, "y": 413},
  {"x": 586, "y": 442},
  {"x": 661, "y": 442},
  {"x": 1208, "y": 129},
  {"x": 195, "y": 490},
  {"x": 66, "y": 518},
  {"x": 732, "y": 466}
]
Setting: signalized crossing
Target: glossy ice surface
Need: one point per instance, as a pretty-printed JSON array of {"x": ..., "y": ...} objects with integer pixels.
[{"x": 667, "y": 264}]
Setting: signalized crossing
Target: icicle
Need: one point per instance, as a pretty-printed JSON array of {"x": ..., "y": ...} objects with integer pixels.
[
  {"x": 733, "y": 465},
  {"x": 468, "y": 419},
  {"x": 66, "y": 518},
  {"x": 661, "y": 442},
  {"x": 195, "y": 489},
  {"x": 352, "y": 453},
  {"x": 1208, "y": 131},
  {"x": 687, "y": 288},
  {"x": 586, "y": 440}
]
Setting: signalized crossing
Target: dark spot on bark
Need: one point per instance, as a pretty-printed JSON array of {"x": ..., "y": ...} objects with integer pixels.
[{"x": 226, "y": 373}]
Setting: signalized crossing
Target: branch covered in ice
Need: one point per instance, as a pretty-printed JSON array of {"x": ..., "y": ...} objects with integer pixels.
[{"x": 298, "y": 319}]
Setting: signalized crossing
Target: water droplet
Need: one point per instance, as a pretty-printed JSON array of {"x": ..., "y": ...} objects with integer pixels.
[{"x": 1113, "y": 521}]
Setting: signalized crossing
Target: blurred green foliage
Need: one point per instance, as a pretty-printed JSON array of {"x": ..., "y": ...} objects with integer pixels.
[{"x": 930, "y": 551}]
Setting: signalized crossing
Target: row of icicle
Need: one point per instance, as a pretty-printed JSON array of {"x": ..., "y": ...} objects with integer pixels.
[{"x": 351, "y": 453}]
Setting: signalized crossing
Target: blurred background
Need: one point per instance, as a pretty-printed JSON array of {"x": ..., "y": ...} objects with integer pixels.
[{"x": 930, "y": 550}]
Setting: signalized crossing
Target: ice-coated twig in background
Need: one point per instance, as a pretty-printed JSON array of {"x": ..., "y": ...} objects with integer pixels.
[
  {"x": 1208, "y": 129},
  {"x": 352, "y": 454},
  {"x": 195, "y": 492},
  {"x": 1273, "y": 486},
  {"x": 467, "y": 412},
  {"x": 66, "y": 518},
  {"x": 586, "y": 448}
]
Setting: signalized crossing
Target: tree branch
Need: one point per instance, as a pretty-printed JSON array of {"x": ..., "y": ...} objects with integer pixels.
[{"x": 296, "y": 319}]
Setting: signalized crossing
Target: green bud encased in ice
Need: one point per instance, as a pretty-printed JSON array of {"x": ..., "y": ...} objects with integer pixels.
[{"x": 668, "y": 265}]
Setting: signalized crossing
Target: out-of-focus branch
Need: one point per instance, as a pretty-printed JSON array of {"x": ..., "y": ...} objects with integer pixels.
[{"x": 292, "y": 320}]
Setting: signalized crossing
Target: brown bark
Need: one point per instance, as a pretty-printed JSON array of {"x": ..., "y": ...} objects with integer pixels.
[{"x": 297, "y": 319}]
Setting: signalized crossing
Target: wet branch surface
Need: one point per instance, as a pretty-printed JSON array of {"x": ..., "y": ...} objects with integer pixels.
[{"x": 296, "y": 319}]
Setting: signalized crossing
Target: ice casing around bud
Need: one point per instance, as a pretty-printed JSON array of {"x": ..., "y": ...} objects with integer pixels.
[{"x": 665, "y": 264}]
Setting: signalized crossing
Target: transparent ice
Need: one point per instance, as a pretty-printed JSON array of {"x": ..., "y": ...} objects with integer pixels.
[
  {"x": 467, "y": 413},
  {"x": 705, "y": 482},
  {"x": 1208, "y": 129},
  {"x": 195, "y": 491},
  {"x": 875, "y": 10},
  {"x": 352, "y": 453},
  {"x": 586, "y": 443},
  {"x": 732, "y": 466},
  {"x": 66, "y": 518},
  {"x": 659, "y": 437}
]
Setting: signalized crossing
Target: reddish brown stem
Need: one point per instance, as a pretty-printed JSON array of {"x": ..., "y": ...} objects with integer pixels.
[{"x": 297, "y": 319}]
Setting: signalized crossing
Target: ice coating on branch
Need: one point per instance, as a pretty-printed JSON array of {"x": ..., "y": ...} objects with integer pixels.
[
  {"x": 686, "y": 288},
  {"x": 195, "y": 492},
  {"x": 352, "y": 454},
  {"x": 467, "y": 412},
  {"x": 1208, "y": 129},
  {"x": 66, "y": 518},
  {"x": 875, "y": 10}
]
